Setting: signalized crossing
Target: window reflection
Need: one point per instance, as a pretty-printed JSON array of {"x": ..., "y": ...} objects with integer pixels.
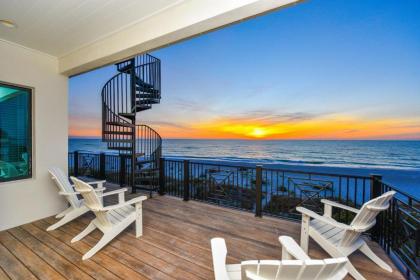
[{"x": 15, "y": 133}]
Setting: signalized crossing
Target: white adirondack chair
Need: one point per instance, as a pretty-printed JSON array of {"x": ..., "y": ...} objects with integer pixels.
[
  {"x": 77, "y": 207},
  {"x": 111, "y": 220},
  {"x": 340, "y": 239},
  {"x": 295, "y": 265}
]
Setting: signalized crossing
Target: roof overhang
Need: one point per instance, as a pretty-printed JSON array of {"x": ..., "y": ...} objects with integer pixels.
[{"x": 176, "y": 21}]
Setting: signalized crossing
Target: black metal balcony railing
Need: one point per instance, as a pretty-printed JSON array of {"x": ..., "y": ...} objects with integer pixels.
[
  {"x": 277, "y": 193},
  {"x": 114, "y": 168}
]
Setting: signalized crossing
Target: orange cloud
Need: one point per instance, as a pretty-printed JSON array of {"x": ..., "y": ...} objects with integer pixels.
[
  {"x": 278, "y": 127},
  {"x": 331, "y": 127}
]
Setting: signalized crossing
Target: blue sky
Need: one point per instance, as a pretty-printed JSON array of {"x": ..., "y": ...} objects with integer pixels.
[{"x": 345, "y": 63}]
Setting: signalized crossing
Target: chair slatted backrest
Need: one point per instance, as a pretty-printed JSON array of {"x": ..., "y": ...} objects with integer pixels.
[
  {"x": 63, "y": 184},
  {"x": 366, "y": 218},
  {"x": 294, "y": 269},
  {"x": 92, "y": 201}
]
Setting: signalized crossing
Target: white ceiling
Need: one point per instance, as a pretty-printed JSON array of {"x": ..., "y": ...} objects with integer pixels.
[{"x": 58, "y": 27}]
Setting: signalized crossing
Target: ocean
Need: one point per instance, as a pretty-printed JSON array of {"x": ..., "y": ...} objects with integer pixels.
[{"x": 397, "y": 161}]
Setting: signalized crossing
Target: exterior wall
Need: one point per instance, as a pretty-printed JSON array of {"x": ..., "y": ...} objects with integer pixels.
[{"x": 36, "y": 198}]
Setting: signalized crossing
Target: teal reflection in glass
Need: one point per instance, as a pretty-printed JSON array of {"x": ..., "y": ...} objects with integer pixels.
[{"x": 15, "y": 133}]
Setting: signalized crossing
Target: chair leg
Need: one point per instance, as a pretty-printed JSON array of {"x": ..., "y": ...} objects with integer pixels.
[
  {"x": 62, "y": 214},
  {"x": 304, "y": 234},
  {"x": 91, "y": 227},
  {"x": 371, "y": 255},
  {"x": 353, "y": 272},
  {"x": 139, "y": 219},
  {"x": 106, "y": 238},
  {"x": 70, "y": 216}
]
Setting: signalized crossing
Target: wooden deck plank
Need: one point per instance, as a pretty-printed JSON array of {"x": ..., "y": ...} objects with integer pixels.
[
  {"x": 3, "y": 274},
  {"x": 90, "y": 267},
  {"x": 166, "y": 254},
  {"x": 13, "y": 267},
  {"x": 196, "y": 255},
  {"x": 60, "y": 264},
  {"x": 200, "y": 236},
  {"x": 175, "y": 244},
  {"x": 279, "y": 227},
  {"x": 140, "y": 254},
  {"x": 113, "y": 265},
  {"x": 115, "y": 252},
  {"x": 219, "y": 215},
  {"x": 34, "y": 263}
]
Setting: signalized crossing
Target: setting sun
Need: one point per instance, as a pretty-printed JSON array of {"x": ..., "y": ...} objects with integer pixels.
[{"x": 258, "y": 132}]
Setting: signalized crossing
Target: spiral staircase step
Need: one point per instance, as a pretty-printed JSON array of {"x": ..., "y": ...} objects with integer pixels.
[
  {"x": 141, "y": 162},
  {"x": 118, "y": 132},
  {"x": 146, "y": 89},
  {"x": 128, "y": 115},
  {"x": 148, "y": 101},
  {"x": 120, "y": 124},
  {"x": 142, "y": 107},
  {"x": 120, "y": 148},
  {"x": 120, "y": 141},
  {"x": 147, "y": 95}
]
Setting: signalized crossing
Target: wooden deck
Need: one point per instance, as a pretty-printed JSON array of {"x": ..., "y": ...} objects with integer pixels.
[{"x": 175, "y": 245}]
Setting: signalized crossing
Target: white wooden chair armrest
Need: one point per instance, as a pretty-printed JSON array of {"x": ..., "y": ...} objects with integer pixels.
[
  {"x": 323, "y": 219},
  {"x": 101, "y": 182},
  {"x": 126, "y": 203},
  {"x": 120, "y": 193},
  {"x": 114, "y": 192},
  {"x": 67, "y": 193},
  {"x": 98, "y": 189},
  {"x": 338, "y": 205},
  {"x": 291, "y": 250},
  {"x": 378, "y": 208}
]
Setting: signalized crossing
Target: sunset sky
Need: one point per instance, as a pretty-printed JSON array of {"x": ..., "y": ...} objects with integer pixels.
[{"x": 318, "y": 70}]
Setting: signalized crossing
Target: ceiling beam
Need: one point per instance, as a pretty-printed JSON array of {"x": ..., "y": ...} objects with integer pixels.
[{"x": 185, "y": 20}]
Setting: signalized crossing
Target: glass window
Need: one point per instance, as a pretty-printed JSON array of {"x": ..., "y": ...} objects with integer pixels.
[{"x": 15, "y": 133}]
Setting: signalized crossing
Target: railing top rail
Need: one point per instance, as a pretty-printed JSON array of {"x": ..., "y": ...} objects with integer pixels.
[
  {"x": 147, "y": 63},
  {"x": 151, "y": 129},
  {"x": 415, "y": 199},
  {"x": 319, "y": 173},
  {"x": 151, "y": 56},
  {"x": 152, "y": 59},
  {"x": 276, "y": 169}
]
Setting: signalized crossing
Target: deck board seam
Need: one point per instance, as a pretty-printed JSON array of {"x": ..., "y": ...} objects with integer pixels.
[
  {"x": 37, "y": 226},
  {"x": 122, "y": 264},
  {"x": 5, "y": 273},
  {"x": 151, "y": 244},
  {"x": 226, "y": 210},
  {"x": 20, "y": 261},
  {"x": 263, "y": 244},
  {"x": 110, "y": 256},
  {"x": 65, "y": 257},
  {"x": 41, "y": 258},
  {"x": 164, "y": 249}
]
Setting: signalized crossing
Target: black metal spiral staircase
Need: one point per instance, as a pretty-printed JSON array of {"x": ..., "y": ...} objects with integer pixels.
[{"x": 135, "y": 88}]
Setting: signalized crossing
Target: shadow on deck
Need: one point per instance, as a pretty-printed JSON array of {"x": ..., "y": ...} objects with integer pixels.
[{"x": 175, "y": 245}]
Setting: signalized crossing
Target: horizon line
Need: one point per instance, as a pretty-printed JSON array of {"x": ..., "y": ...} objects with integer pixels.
[{"x": 259, "y": 139}]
